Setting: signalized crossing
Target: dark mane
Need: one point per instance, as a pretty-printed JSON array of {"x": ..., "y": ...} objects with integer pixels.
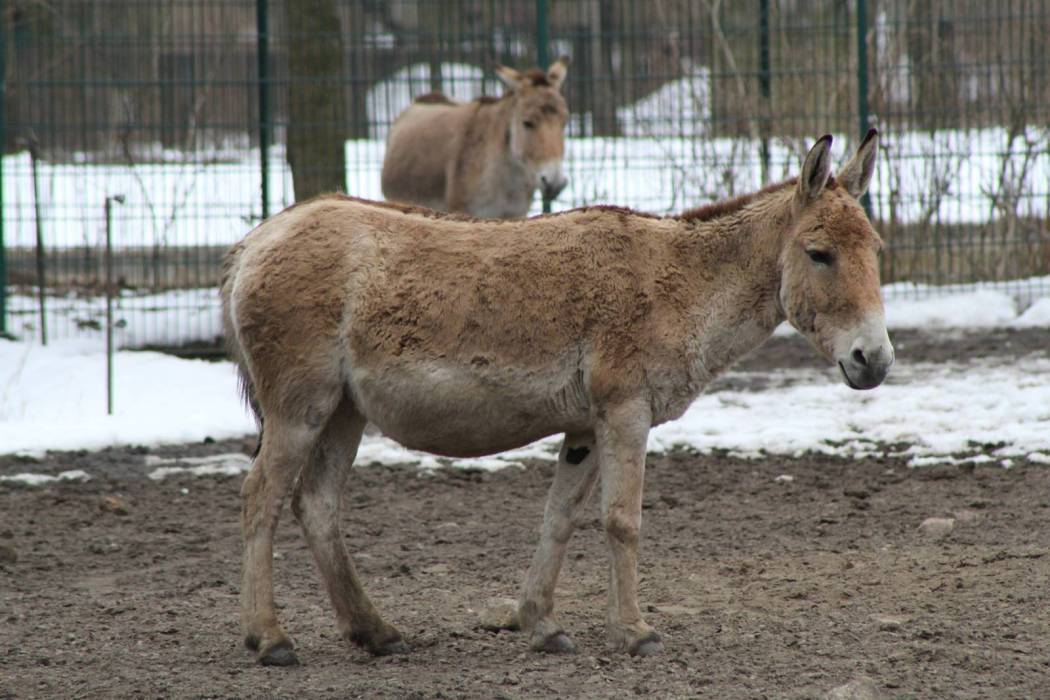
[
  {"x": 714, "y": 210},
  {"x": 706, "y": 212},
  {"x": 440, "y": 98},
  {"x": 434, "y": 98},
  {"x": 538, "y": 77}
]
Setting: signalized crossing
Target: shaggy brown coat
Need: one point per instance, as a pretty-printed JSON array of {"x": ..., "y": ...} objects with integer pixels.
[
  {"x": 487, "y": 157},
  {"x": 464, "y": 337}
]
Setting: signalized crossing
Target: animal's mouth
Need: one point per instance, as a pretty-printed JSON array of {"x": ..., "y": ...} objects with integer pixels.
[{"x": 845, "y": 375}]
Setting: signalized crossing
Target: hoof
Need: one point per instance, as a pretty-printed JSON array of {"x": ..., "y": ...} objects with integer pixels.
[
  {"x": 393, "y": 644},
  {"x": 647, "y": 645},
  {"x": 280, "y": 654},
  {"x": 556, "y": 643},
  {"x": 396, "y": 646},
  {"x": 251, "y": 642}
]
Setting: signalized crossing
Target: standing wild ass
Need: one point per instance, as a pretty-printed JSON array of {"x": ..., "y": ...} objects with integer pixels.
[
  {"x": 464, "y": 337},
  {"x": 485, "y": 158}
]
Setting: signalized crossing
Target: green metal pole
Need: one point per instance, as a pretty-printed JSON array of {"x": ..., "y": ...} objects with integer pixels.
[
  {"x": 265, "y": 123},
  {"x": 109, "y": 306},
  {"x": 542, "y": 58},
  {"x": 3, "y": 149},
  {"x": 764, "y": 86},
  {"x": 862, "y": 82},
  {"x": 41, "y": 263}
]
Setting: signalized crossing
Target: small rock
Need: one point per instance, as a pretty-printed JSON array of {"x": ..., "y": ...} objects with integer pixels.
[
  {"x": 966, "y": 515},
  {"x": 113, "y": 504},
  {"x": 498, "y": 614},
  {"x": 8, "y": 555},
  {"x": 937, "y": 528},
  {"x": 435, "y": 569},
  {"x": 888, "y": 623},
  {"x": 675, "y": 609},
  {"x": 784, "y": 479},
  {"x": 862, "y": 688}
]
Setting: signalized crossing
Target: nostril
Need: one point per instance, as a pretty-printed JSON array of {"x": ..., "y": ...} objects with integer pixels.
[{"x": 858, "y": 357}]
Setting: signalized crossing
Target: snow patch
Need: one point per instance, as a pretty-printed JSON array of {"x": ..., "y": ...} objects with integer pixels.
[
  {"x": 1036, "y": 315},
  {"x": 230, "y": 464},
  {"x": 30, "y": 479}
]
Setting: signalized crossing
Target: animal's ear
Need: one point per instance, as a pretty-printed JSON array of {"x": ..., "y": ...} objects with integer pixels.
[
  {"x": 815, "y": 170},
  {"x": 510, "y": 77},
  {"x": 856, "y": 174},
  {"x": 557, "y": 72}
]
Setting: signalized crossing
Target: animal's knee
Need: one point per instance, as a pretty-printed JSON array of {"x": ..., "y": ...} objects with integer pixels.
[
  {"x": 298, "y": 507},
  {"x": 622, "y": 526},
  {"x": 251, "y": 482}
]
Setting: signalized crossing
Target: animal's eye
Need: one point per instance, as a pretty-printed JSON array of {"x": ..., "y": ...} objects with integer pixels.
[
  {"x": 820, "y": 257},
  {"x": 529, "y": 124}
]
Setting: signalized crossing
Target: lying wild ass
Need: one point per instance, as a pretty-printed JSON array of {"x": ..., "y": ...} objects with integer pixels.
[
  {"x": 463, "y": 337},
  {"x": 485, "y": 158}
]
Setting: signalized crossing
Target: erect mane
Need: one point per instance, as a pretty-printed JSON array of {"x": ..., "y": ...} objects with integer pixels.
[
  {"x": 537, "y": 77},
  {"x": 715, "y": 210}
]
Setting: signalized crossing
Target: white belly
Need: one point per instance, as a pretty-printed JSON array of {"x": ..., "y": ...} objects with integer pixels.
[{"x": 465, "y": 411}]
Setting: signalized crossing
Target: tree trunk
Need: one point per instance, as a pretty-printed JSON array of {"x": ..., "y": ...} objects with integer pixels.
[{"x": 316, "y": 107}]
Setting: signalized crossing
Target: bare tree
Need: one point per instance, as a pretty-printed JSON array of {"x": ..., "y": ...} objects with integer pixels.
[{"x": 316, "y": 108}]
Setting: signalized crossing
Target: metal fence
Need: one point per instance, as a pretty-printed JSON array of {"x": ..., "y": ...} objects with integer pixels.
[{"x": 192, "y": 109}]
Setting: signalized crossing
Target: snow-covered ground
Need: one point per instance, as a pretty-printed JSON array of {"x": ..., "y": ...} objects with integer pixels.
[{"x": 54, "y": 398}]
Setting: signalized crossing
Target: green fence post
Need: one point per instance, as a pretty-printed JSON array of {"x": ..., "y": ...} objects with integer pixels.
[
  {"x": 3, "y": 149},
  {"x": 862, "y": 82},
  {"x": 764, "y": 85},
  {"x": 542, "y": 59},
  {"x": 262, "y": 28}
]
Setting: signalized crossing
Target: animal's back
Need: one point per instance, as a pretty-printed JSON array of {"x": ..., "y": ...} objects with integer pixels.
[
  {"x": 421, "y": 145},
  {"x": 358, "y": 290}
]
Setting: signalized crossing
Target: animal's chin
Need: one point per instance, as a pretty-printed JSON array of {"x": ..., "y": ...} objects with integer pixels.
[{"x": 845, "y": 377}]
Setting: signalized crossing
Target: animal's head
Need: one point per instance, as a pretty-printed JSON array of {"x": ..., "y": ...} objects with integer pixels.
[
  {"x": 829, "y": 286},
  {"x": 537, "y": 127}
]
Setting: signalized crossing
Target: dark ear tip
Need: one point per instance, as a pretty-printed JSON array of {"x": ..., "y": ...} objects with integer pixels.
[
  {"x": 872, "y": 133},
  {"x": 826, "y": 137},
  {"x": 565, "y": 60}
]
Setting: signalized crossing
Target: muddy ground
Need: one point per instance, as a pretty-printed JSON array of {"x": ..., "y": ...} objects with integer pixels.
[{"x": 761, "y": 587}]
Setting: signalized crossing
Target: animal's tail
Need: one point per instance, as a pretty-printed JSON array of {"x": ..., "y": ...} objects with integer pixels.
[{"x": 230, "y": 265}]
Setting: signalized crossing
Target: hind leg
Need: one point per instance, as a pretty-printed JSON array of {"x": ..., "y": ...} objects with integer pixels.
[
  {"x": 573, "y": 484},
  {"x": 316, "y": 504},
  {"x": 287, "y": 446}
]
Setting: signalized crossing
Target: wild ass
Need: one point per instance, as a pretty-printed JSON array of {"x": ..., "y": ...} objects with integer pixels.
[
  {"x": 464, "y": 337},
  {"x": 485, "y": 158}
]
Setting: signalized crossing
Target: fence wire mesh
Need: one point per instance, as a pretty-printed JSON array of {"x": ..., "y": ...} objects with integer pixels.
[{"x": 199, "y": 111}]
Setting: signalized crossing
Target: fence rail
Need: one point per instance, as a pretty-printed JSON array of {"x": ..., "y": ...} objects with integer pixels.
[{"x": 192, "y": 109}]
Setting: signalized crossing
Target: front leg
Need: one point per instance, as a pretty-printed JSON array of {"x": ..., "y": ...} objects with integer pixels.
[
  {"x": 573, "y": 484},
  {"x": 621, "y": 440}
]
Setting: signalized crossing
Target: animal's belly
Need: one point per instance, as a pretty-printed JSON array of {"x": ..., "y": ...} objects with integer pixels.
[{"x": 462, "y": 412}]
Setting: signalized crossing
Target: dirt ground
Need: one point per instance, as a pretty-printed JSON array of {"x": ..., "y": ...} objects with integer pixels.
[{"x": 762, "y": 588}]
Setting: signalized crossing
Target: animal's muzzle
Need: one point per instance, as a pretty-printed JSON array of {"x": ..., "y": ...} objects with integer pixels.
[
  {"x": 866, "y": 367},
  {"x": 552, "y": 185}
]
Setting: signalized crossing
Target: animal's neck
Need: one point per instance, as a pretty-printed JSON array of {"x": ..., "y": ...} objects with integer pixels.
[{"x": 736, "y": 258}]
